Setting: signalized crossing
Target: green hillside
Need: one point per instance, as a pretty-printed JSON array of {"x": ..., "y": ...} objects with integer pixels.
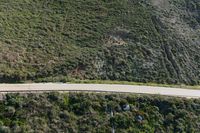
[
  {"x": 132, "y": 40},
  {"x": 91, "y": 113}
]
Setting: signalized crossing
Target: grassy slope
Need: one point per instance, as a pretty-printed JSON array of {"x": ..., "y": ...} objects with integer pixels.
[
  {"x": 98, "y": 39},
  {"x": 78, "y": 112}
]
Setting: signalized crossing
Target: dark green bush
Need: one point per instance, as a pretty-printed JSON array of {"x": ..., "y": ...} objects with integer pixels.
[{"x": 88, "y": 112}]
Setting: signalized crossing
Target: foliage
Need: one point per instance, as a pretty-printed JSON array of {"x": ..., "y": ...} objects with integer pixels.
[
  {"x": 88, "y": 112},
  {"x": 128, "y": 40}
]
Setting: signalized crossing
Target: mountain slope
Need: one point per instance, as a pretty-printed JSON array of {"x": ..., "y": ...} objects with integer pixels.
[{"x": 145, "y": 41}]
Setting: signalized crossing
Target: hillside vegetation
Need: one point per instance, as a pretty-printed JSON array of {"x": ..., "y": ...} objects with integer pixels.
[
  {"x": 92, "y": 113},
  {"x": 130, "y": 40}
]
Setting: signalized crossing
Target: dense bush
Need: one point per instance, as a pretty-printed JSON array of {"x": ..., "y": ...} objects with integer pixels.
[
  {"x": 133, "y": 40},
  {"x": 100, "y": 113}
]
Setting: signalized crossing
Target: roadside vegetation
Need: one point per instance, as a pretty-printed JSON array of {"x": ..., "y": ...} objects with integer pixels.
[
  {"x": 62, "y": 79},
  {"x": 97, "y": 113}
]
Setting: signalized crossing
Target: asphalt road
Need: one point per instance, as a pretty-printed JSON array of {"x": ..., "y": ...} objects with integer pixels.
[{"x": 42, "y": 87}]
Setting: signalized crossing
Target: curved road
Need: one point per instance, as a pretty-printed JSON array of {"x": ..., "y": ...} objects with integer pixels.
[{"x": 42, "y": 87}]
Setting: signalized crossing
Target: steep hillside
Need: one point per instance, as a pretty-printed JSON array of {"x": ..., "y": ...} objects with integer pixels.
[
  {"x": 92, "y": 113},
  {"x": 134, "y": 40}
]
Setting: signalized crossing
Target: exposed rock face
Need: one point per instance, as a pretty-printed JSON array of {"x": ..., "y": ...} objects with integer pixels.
[{"x": 164, "y": 4}]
